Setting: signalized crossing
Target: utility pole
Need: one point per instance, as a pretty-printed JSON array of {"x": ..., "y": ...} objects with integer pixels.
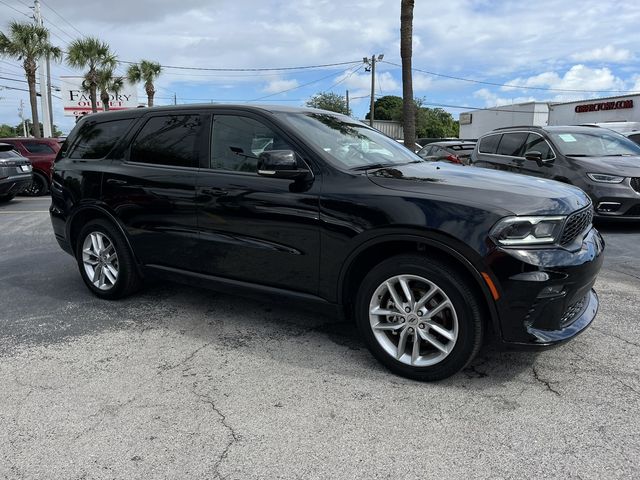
[
  {"x": 175, "y": 99},
  {"x": 347, "y": 98},
  {"x": 42, "y": 67},
  {"x": 21, "y": 113},
  {"x": 371, "y": 66}
]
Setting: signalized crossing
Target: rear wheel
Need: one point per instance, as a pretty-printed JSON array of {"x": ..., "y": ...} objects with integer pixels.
[
  {"x": 105, "y": 261},
  {"x": 419, "y": 317},
  {"x": 39, "y": 185}
]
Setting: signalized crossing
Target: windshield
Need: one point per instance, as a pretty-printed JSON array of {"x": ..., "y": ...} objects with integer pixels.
[
  {"x": 598, "y": 143},
  {"x": 350, "y": 143}
]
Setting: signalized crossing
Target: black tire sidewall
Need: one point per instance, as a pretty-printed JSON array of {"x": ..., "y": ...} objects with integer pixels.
[
  {"x": 122, "y": 250},
  {"x": 454, "y": 285},
  {"x": 42, "y": 180}
]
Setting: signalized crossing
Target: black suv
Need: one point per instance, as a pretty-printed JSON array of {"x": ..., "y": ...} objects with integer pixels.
[
  {"x": 603, "y": 163},
  {"x": 315, "y": 206}
]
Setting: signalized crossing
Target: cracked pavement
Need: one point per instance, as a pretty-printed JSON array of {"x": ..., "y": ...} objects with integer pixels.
[{"x": 178, "y": 382}]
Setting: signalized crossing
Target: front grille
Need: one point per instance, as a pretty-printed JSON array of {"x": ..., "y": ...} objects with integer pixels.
[
  {"x": 635, "y": 184},
  {"x": 575, "y": 225},
  {"x": 572, "y": 312}
]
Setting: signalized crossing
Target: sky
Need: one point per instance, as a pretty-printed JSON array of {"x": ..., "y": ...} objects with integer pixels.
[{"x": 498, "y": 52}]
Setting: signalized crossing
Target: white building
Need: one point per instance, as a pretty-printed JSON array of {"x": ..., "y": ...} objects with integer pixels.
[{"x": 599, "y": 110}]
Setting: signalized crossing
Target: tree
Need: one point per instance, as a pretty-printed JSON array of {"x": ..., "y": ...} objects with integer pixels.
[
  {"x": 406, "y": 51},
  {"x": 107, "y": 81},
  {"x": 148, "y": 72},
  {"x": 55, "y": 132},
  {"x": 329, "y": 101},
  {"x": 94, "y": 55},
  {"x": 28, "y": 42},
  {"x": 8, "y": 131},
  {"x": 386, "y": 108}
]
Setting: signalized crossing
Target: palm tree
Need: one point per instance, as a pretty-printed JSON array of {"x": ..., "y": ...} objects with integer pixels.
[
  {"x": 94, "y": 55},
  {"x": 406, "y": 49},
  {"x": 146, "y": 71},
  {"x": 28, "y": 42},
  {"x": 107, "y": 82}
]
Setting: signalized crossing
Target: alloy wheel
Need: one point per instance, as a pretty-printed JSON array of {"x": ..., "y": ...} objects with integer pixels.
[
  {"x": 100, "y": 260},
  {"x": 413, "y": 320}
]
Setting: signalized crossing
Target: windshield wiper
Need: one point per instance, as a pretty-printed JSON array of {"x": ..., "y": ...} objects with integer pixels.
[{"x": 373, "y": 166}]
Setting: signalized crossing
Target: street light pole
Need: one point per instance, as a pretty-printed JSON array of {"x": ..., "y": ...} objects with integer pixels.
[{"x": 42, "y": 67}]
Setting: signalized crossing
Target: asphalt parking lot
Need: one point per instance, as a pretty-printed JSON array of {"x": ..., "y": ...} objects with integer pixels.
[{"x": 178, "y": 382}]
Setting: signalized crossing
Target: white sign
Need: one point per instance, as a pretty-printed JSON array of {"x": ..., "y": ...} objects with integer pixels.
[{"x": 76, "y": 101}]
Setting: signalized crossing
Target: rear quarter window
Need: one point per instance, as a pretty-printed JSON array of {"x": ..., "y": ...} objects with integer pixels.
[
  {"x": 489, "y": 144},
  {"x": 96, "y": 140}
]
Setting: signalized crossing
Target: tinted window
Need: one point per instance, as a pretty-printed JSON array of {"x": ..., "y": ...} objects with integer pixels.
[
  {"x": 96, "y": 140},
  {"x": 512, "y": 144},
  {"x": 168, "y": 140},
  {"x": 32, "y": 147},
  {"x": 237, "y": 142},
  {"x": 635, "y": 137},
  {"x": 538, "y": 144},
  {"x": 489, "y": 144}
]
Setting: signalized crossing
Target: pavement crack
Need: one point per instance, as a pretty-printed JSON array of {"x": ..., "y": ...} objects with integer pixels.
[
  {"x": 546, "y": 383},
  {"x": 185, "y": 359},
  {"x": 613, "y": 335},
  {"x": 626, "y": 273},
  {"x": 234, "y": 437}
]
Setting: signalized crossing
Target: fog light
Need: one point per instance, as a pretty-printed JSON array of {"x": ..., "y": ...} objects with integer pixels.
[
  {"x": 608, "y": 207},
  {"x": 551, "y": 291}
]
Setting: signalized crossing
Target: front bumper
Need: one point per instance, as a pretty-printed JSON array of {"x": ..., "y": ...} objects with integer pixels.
[
  {"x": 614, "y": 200},
  {"x": 546, "y": 295}
]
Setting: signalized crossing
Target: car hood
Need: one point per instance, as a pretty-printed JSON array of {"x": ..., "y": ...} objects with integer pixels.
[
  {"x": 509, "y": 192},
  {"x": 624, "y": 166}
]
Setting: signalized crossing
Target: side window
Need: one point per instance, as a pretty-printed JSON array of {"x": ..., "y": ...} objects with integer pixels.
[
  {"x": 539, "y": 144},
  {"x": 96, "y": 140},
  {"x": 237, "y": 141},
  {"x": 512, "y": 144},
  {"x": 635, "y": 137},
  {"x": 33, "y": 147},
  {"x": 489, "y": 144},
  {"x": 168, "y": 140},
  {"x": 425, "y": 152}
]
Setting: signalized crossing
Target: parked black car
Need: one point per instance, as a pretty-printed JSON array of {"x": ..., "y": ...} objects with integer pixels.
[
  {"x": 603, "y": 163},
  {"x": 452, "y": 151},
  {"x": 427, "y": 257},
  {"x": 15, "y": 172}
]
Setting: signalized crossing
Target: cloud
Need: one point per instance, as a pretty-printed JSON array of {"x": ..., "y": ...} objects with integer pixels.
[
  {"x": 280, "y": 85},
  {"x": 608, "y": 54},
  {"x": 492, "y": 99}
]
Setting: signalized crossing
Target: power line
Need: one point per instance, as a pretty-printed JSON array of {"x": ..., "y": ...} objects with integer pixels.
[
  {"x": 15, "y": 9},
  {"x": 346, "y": 77},
  {"x": 495, "y": 84},
  {"x": 273, "y": 69},
  {"x": 63, "y": 19}
]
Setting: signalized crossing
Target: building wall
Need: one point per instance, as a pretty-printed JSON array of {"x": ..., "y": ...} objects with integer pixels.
[
  {"x": 604, "y": 110},
  {"x": 483, "y": 121}
]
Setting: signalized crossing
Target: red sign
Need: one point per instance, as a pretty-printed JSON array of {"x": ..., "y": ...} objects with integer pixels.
[{"x": 597, "y": 107}]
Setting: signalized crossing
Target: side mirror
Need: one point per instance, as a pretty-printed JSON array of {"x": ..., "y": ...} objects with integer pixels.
[
  {"x": 537, "y": 157},
  {"x": 280, "y": 164}
]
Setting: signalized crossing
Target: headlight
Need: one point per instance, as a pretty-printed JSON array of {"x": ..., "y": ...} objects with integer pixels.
[
  {"x": 605, "y": 178},
  {"x": 524, "y": 231}
]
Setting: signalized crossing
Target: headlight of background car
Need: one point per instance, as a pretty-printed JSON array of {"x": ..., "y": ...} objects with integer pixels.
[
  {"x": 605, "y": 178},
  {"x": 525, "y": 231}
]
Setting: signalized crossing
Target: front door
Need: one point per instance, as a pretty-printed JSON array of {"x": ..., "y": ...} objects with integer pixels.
[{"x": 253, "y": 228}]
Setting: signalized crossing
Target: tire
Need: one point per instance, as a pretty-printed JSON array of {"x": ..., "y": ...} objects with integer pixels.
[
  {"x": 116, "y": 277},
  {"x": 39, "y": 186},
  {"x": 6, "y": 198},
  {"x": 449, "y": 322}
]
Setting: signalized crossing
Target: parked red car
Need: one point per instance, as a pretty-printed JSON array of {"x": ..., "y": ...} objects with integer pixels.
[{"x": 41, "y": 152}]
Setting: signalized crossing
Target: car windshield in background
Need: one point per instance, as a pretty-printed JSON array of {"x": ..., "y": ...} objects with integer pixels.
[
  {"x": 594, "y": 144},
  {"x": 351, "y": 144}
]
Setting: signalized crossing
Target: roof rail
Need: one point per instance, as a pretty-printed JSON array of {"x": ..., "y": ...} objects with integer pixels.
[{"x": 518, "y": 126}]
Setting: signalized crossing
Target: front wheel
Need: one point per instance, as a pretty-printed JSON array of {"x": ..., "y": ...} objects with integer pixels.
[
  {"x": 105, "y": 261},
  {"x": 419, "y": 317}
]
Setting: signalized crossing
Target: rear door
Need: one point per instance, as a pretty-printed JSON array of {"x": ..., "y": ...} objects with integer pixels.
[
  {"x": 486, "y": 153},
  {"x": 254, "y": 228},
  {"x": 151, "y": 186},
  {"x": 511, "y": 150}
]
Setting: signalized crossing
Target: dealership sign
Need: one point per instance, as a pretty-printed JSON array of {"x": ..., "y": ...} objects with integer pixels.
[
  {"x": 76, "y": 101},
  {"x": 597, "y": 107}
]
